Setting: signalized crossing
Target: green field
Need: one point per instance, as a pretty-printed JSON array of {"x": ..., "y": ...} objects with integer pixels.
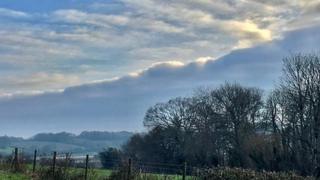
[
  {"x": 219, "y": 174},
  {"x": 93, "y": 174},
  {"x": 13, "y": 176}
]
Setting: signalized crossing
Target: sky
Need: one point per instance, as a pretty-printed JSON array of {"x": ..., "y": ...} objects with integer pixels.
[{"x": 74, "y": 65}]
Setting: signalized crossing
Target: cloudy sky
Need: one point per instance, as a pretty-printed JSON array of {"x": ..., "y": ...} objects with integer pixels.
[{"x": 98, "y": 65}]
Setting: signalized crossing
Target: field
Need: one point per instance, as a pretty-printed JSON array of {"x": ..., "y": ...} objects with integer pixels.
[
  {"x": 75, "y": 173},
  {"x": 13, "y": 176},
  {"x": 103, "y": 174},
  {"x": 67, "y": 168}
]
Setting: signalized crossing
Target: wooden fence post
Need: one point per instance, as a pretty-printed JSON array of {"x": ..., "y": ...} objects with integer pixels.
[
  {"x": 54, "y": 163},
  {"x": 67, "y": 160},
  {"x": 184, "y": 171},
  {"x": 86, "y": 170},
  {"x": 34, "y": 161},
  {"x": 16, "y": 159},
  {"x": 129, "y": 169}
]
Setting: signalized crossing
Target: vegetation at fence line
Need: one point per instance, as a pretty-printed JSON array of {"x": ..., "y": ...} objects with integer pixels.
[
  {"x": 45, "y": 172},
  {"x": 218, "y": 173},
  {"x": 137, "y": 174},
  {"x": 63, "y": 172},
  {"x": 239, "y": 126},
  {"x": 246, "y": 174},
  {"x": 4, "y": 175}
]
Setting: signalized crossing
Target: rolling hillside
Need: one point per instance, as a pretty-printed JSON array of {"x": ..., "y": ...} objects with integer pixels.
[{"x": 85, "y": 142}]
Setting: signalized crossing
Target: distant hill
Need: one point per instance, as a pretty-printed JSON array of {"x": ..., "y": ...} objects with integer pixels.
[{"x": 86, "y": 142}]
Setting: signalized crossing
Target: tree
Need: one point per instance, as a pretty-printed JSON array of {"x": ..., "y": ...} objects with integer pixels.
[
  {"x": 300, "y": 90},
  {"x": 110, "y": 158},
  {"x": 232, "y": 126},
  {"x": 208, "y": 128},
  {"x": 239, "y": 107}
]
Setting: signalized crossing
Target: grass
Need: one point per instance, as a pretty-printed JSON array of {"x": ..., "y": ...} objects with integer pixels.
[
  {"x": 215, "y": 173},
  {"x": 13, "y": 176},
  {"x": 94, "y": 174},
  {"x": 102, "y": 173}
]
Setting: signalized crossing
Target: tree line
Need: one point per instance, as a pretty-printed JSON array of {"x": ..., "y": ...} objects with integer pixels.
[{"x": 238, "y": 126}]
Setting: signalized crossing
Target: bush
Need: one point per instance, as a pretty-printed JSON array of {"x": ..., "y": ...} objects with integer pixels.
[
  {"x": 7, "y": 164},
  {"x": 246, "y": 174},
  {"x": 62, "y": 173}
]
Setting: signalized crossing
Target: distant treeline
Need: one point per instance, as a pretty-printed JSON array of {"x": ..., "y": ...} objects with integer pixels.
[
  {"x": 239, "y": 126},
  {"x": 85, "y": 142}
]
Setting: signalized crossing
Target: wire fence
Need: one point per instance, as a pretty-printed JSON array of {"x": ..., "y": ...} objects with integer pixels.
[
  {"x": 63, "y": 165},
  {"x": 55, "y": 161}
]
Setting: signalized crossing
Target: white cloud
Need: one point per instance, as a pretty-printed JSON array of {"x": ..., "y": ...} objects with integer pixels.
[
  {"x": 37, "y": 82},
  {"x": 27, "y": 45},
  {"x": 13, "y": 13},
  {"x": 204, "y": 60},
  {"x": 76, "y": 16}
]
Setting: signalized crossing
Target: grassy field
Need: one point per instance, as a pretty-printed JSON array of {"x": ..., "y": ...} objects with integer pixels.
[
  {"x": 97, "y": 175},
  {"x": 93, "y": 174},
  {"x": 218, "y": 173},
  {"x": 13, "y": 176}
]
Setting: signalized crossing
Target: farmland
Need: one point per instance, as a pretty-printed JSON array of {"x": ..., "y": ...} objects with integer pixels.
[
  {"x": 69, "y": 169},
  {"x": 98, "y": 174},
  {"x": 13, "y": 176}
]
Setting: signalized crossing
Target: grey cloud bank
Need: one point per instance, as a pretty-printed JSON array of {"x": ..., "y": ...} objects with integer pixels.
[{"x": 120, "y": 104}]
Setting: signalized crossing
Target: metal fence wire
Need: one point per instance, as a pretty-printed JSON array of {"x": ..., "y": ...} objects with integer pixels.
[
  {"x": 57, "y": 160},
  {"x": 57, "y": 164}
]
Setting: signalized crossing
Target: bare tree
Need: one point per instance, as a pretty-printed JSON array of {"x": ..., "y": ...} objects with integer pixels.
[
  {"x": 239, "y": 106},
  {"x": 295, "y": 111}
]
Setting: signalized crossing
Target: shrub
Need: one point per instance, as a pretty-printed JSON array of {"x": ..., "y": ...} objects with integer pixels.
[{"x": 246, "y": 174}]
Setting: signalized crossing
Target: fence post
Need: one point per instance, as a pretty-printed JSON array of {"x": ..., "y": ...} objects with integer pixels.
[
  {"x": 66, "y": 161},
  {"x": 54, "y": 163},
  {"x": 86, "y": 171},
  {"x": 16, "y": 159},
  {"x": 184, "y": 171},
  {"x": 34, "y": 161},
  {"x": 129, "y": 169}
]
